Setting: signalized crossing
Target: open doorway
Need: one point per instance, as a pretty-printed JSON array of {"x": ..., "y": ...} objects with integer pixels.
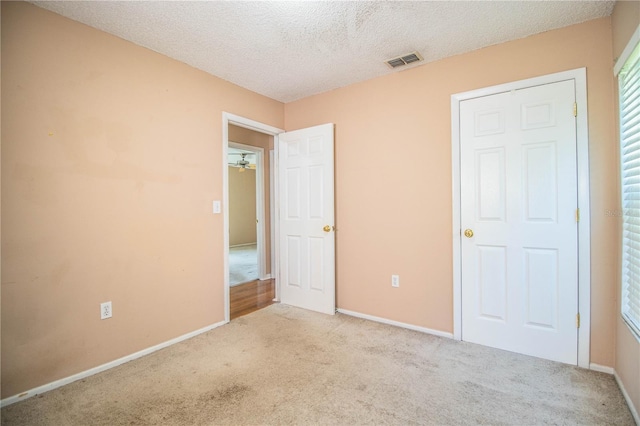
[
  {"x": 304, "y": 263},
  {"x": 250, "y": 283},
  {"x": 244, "y": 198}
]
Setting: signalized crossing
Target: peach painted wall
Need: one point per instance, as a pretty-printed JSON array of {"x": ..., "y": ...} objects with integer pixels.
[
  {"x": 624, "y": 21},
  {"x": 251, "y": 137},
  {"x": 393, "y": 175},
  {"x": 111, "y": 158},
  {"x": 242, "y": 206}
]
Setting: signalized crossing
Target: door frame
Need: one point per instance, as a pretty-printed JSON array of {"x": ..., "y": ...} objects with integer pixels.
[
  {"x": 260, "y": 203},
  {"x": 228, "y": 118},
  {"x": 579, "y": 76}
]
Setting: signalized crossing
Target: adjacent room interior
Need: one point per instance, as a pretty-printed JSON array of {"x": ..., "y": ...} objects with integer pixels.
[
  {"x": 243, "y": 242},
  {"x": 250, "y": 218},
  {"x": 120, "y": 177}
]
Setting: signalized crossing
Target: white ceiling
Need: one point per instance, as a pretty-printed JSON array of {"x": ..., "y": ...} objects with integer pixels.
[{"x": 292, "y": 49}]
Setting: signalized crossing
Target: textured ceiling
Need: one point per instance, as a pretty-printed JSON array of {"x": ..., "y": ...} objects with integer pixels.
[{"x": 293, "y": 49}]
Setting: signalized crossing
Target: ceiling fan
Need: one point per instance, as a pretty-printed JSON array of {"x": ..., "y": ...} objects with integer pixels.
[{"x": 242, "y": 163}]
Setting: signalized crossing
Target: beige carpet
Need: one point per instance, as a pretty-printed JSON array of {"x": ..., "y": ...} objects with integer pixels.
[{"x": 283, "y": 365}]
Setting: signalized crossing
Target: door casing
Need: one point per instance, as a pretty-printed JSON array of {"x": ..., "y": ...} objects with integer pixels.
[{"x": 579, "y": 76}]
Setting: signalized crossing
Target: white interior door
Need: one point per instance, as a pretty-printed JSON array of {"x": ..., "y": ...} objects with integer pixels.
[
  {"x": 306, "y": 219},
  {"x": 519, "y": 198}
]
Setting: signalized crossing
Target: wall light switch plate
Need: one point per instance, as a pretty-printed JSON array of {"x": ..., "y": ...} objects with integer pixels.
[{"x": 217, "y": 207}]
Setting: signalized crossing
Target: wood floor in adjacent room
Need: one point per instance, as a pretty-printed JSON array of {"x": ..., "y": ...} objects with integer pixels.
[{"x": 249, "y": 297}]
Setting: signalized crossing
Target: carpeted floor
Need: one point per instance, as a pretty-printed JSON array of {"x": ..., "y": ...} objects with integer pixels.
[
  {"x": 243, "y": 264},
  {"x": 283, "y": 365}
]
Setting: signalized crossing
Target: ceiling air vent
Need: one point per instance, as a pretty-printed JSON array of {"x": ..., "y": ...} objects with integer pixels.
[{"x": 404, "y": 60}]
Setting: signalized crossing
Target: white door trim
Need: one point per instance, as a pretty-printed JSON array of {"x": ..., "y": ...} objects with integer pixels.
[
  {"x": 584, "y": 235},
  {"x": 272, "y": 210},
  {"x": 260, "y": 202},
  {"x": 247, "y": 123}
]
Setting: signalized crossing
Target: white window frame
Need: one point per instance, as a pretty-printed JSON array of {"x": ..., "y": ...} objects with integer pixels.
[{"x": 630, "y": 318}]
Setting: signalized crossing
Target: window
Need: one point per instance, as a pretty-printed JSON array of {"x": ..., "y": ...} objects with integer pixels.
[{"x": 629, "y": 92}]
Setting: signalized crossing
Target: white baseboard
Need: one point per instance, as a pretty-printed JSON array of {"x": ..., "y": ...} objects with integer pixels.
[
  {"x": 632, "y": 408},
  {"x": 243, "y": 245},
  {"x": 396, "y": 323},
  {"x": 601, "y": 368},
  {"x": 265, "y": 277},
  {"x": 65, "y": 381},
  {"x": 612, "y": 371}
]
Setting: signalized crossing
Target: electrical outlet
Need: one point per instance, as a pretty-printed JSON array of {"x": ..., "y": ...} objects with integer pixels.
[
  {"x": 395, "y": 280},
  {"x": 105, "y": 310}
]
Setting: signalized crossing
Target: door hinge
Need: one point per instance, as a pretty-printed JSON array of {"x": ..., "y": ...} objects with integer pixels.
[
  {"x": 577, "y": 215},
  {"x": 577, "y": 320},
  {"x": 575, "y": 109}
]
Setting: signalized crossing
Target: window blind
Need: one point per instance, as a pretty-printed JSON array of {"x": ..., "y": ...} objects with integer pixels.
[{"x": 629, "y": 92}]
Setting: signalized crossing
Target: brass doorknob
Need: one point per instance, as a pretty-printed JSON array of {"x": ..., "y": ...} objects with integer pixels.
[
  {"x": 326, "y": 228},
  {"x": 468, "y": 233}
]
